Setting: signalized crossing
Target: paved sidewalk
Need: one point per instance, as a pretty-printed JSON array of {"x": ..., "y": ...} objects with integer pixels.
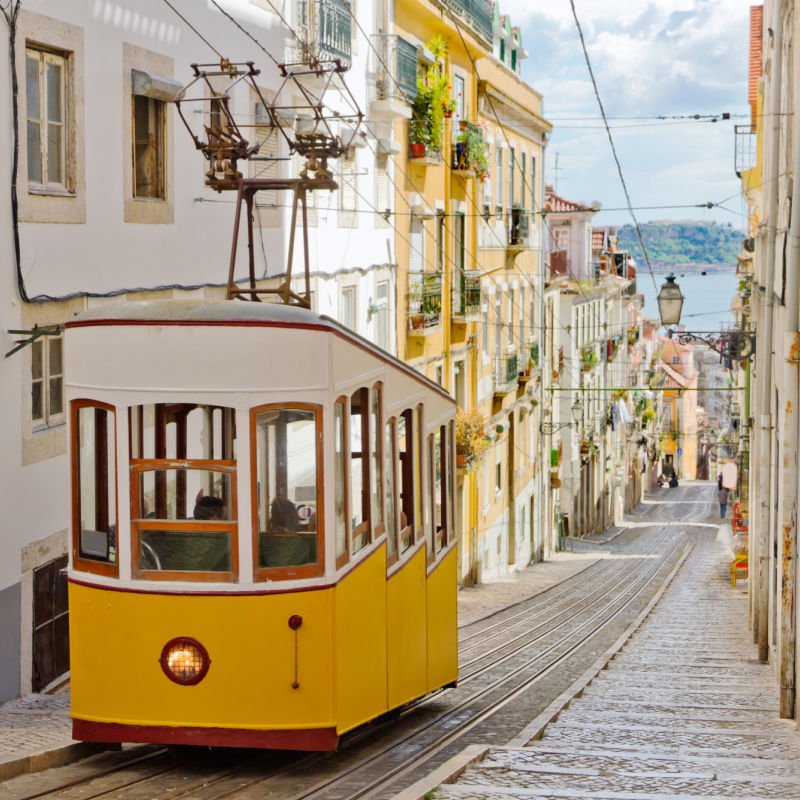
[
  {"x": 35, "y": 730},
  {"x": 684, "y": 710}
]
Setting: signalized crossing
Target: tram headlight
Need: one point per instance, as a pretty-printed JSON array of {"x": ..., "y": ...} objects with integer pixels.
[{"x": 184, "y": 660}]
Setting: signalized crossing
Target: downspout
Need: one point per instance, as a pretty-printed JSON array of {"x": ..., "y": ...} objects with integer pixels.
[
  {"x": 765, "y": 336},
  {"x": 791, "y": 432}
]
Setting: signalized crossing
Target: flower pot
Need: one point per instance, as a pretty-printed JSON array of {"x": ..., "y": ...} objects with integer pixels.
[
  {"x": 461, "y": 460},
  {"x": 448, "y": 112},
  {"x": 417, "y": 150},
  {"x": 416, "y": 320}
]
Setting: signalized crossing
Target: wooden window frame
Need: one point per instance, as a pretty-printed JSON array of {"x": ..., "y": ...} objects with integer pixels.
[
  {"x": 377, "y": 464},
  {"x": 364, "y": 528},
  {"x": 160, "y": 110},
  {"x": 139, "y": 466},
  {"x": 263, "y": 574},
  {"x": 44, "y": 55},
  {"x": 79, "y": 562},
  {"x": 406, "y": 533},
  {"x": 419, "y": 472},
  {"x": 391, "y": 424},
  {"x": 49, "y": 420},
  {"x": 343, "y": 558}
]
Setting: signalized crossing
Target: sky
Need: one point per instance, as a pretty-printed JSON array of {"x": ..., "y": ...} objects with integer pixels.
[{"x": 651, "y": 58}]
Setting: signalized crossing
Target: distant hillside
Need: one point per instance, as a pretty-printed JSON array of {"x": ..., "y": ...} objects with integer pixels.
[{"x": 670, "y": 244}]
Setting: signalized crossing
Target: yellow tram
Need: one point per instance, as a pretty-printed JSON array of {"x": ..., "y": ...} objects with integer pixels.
[{"x": 263, "y": 543}]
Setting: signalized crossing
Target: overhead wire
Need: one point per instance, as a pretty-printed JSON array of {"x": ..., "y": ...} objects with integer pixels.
[{"x": 611, "y": 140}]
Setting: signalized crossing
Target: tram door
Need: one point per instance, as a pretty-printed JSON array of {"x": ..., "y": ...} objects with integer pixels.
[{"x": 50, "y": 623}]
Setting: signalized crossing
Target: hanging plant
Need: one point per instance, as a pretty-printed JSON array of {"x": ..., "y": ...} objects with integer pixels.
[{"x": 472, "y": 438}]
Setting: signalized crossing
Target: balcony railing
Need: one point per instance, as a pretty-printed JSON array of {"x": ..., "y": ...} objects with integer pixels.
[
  {"x": 323, "y": 29},
  {"x": 466, "y": 295},
  {"x": 424, "y": 301},
  {"x": 506, "y": 374},
  {"x": 746, "y": 147},
  {"x": 478, "y": 14},
  {"x": 395, "y": 68},
  {"x": 518, "y": 225}
]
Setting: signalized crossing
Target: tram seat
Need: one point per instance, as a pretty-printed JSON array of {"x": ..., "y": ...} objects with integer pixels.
[
  {"x": 287, "y": 549},
  {"x": 189, "y": 552}
]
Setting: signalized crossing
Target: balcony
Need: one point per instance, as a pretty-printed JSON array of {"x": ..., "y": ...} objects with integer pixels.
[
  {"x": 323, "y": 31},
  {"x": 506, "y": 374},
  {"x": 478, "y": 14},
  {"x": 394, "y": 65},
  {"x": 518, "y": 228},
  {"x": 466, "y": 296},
  {"x": 424, "y": 302},
  {"x": 746, "y": 147}
]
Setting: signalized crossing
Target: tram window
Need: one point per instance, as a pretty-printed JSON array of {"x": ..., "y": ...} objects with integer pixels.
[
  {"x": 376, "y": 460},
  {"x": 389, "y": 490},
  {"x": 405, "y": 473},
  {"x": 439, "y": 481},
  {"x": 340, "y": 478},
  {"x": 183, "y": 521},
  {"x": 359, "y": 470},
  {"x": 182, "y": 430},
  {"x": 449, "y": 461},
  {"x": 420, "y": 517},
  {"x": 288, "y": 445},
  {"x": 94, "y": 487},
  {"x": 178, "y": 494}
]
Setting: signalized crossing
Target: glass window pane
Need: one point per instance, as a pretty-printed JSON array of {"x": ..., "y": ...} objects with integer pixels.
[
  {"x": 286, "y": 443},
  {"x": 34, "y": 152},
  {"x": 37, "y": 354},
  {"x": 175, "y": 494},
  {"x": 376, "y": 465},
  {"x": 388, "y": 484},
  {"x": 359, "y": 489},
  {"x": 185, "y": 551},
  {"x": 54, "y": 347},
  {"x": 54, "y": 92},
  {"x": 32, "y": 96},
  {"x": 340, "y": 478},
  {"x": 56, "y": 397},
  {"x": 37, "y": 406},
  {"x": 96, "y": 502},
  {"x": 55, "y": 161}
]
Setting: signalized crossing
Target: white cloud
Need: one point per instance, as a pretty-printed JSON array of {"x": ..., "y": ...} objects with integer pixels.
[{"x": 650, "y": 58}]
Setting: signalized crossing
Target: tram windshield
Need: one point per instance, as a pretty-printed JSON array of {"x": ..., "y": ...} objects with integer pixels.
[
  {"x": 287, "y": 462},
  {"x": 183, "y": 491}
]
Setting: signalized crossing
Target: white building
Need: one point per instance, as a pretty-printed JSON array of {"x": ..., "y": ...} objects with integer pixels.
[{"x": 110, "y": 205}]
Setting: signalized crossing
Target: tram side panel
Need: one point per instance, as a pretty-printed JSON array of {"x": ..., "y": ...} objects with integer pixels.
[
  {"x": 361, "y": 642},
  {"x": 406, "y": 631},
  {"x": 118, "y": 636},
  {"x": 442, "y": 627}
]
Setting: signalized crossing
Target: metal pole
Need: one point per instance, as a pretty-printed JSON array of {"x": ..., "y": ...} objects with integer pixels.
[
  {"x": 791, "y": 432},
  {"x": 766, "y": 336}
]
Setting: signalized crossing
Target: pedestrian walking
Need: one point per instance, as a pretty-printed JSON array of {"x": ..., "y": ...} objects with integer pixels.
[{"x": 723, "y": 501}]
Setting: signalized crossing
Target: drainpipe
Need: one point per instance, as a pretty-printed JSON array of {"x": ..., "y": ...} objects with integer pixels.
[
  {"x": 766, "y": 337},
  {"x": 791, "y": 432}
]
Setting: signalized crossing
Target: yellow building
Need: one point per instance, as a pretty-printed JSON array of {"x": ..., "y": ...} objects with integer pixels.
[{"x": 468, "y": 249}]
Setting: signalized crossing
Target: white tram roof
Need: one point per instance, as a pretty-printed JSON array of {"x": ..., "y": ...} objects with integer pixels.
[{"x": 233, "y": 336}]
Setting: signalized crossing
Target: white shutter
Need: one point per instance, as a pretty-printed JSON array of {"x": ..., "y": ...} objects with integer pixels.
[
  {"x": 383, "y": 196},
  {"x": 416, "y": 240}
]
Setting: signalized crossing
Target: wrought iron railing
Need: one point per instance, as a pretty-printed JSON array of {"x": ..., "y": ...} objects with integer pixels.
[
  {"x": 518, "y": 227},
  {"x": 466, "y": 295},
  {"x": 478, "y": 14},
  {"x": 505, "y": 373},
  {"x": 424, "y": 300},
  {"x": 324, "y": 31},
  {"x": 395, "y": 67}
]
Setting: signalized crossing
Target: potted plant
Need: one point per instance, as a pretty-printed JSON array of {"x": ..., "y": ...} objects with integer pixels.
[
  {"x": 588, "y": 358},
  {"x": 471, "y": 151},
  {"x": 471, "y": 438}
]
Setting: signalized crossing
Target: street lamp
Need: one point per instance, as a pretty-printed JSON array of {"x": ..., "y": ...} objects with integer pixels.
[
  {"x": 670, "y": 302},
  {"x": 732, "y": 345},
  {"x": 576, "y": 410}
]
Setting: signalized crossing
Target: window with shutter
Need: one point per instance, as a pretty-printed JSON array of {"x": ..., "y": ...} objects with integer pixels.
[
  {"x": 416, "y": 243},
  {"x": 383, "y": 193}
]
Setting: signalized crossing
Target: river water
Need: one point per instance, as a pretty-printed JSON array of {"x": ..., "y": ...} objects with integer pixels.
[{"x": 707, "y": 298}]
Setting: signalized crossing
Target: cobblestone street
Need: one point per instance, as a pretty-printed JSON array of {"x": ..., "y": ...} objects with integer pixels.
[{"x": 683, "y": 711}]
